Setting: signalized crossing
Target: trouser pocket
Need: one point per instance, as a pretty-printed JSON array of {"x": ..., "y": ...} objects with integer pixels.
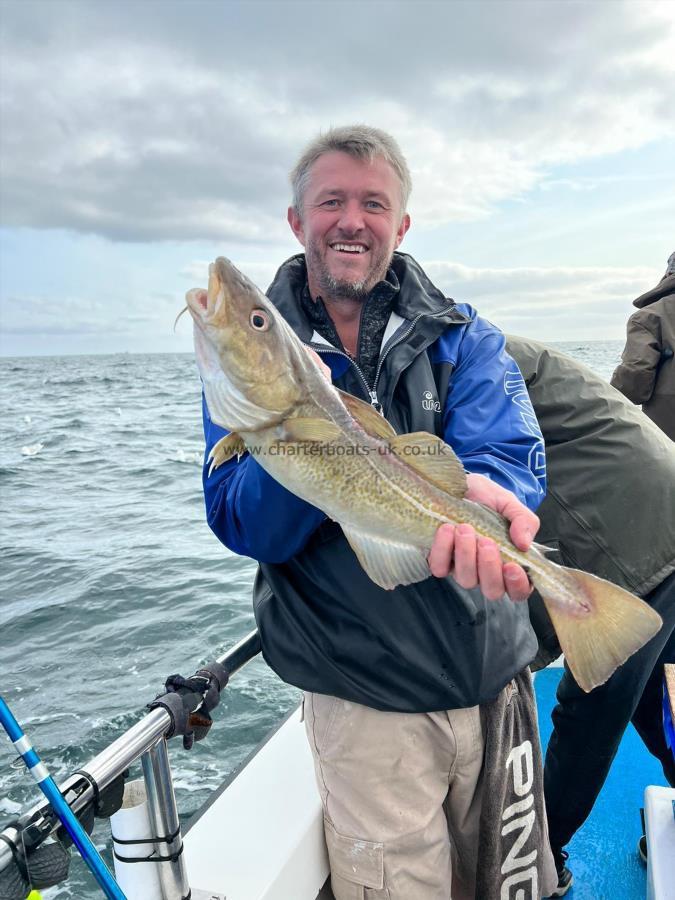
[
  {"x": 357, "y": 866},
  {"x": 320, "y": 713}
]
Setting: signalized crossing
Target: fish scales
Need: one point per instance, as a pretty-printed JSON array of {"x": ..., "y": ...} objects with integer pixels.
[{"x": 264, "y": 387}]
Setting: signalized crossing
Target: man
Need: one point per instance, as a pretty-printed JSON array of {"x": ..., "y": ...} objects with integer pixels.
[
  {"x": 400, "y": 685},
  {"x": 646, "y": 373},
  {"x": 610, "y": 510}
]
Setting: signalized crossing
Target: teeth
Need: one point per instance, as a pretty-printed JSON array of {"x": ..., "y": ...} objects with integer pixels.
[{"x": 349, "y": 248}]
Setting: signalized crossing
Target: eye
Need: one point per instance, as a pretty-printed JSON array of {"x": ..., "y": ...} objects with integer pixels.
[
  {"x": 374, "y": 204},
  {"x": 259, "y": 320},
  {"x": 333, "y": 202}
]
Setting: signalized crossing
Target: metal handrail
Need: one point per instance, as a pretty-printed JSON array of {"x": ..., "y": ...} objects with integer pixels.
[{"x": 111, "y": 762}]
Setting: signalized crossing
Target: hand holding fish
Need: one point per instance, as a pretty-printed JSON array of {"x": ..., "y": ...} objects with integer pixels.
[
  {"x": 404, "y": 502},
  {"x": 474, "y": 561}
]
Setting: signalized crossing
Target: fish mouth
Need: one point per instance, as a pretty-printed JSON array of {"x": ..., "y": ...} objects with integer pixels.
[
  {"x": 197, "y": 304},
  {"x": 229, "y": 293},
  {"x": 204, "y": 305}
]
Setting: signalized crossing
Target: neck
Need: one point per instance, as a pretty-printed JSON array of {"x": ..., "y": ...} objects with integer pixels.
[
  {"x": 346, "y": 316},
  {"x": 345, "y": 313}
]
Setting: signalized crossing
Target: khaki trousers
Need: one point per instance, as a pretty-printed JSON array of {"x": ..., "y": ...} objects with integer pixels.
[{"x": 401, "y": 794}]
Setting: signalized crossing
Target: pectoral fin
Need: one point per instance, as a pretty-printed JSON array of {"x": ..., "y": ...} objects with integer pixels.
[
  {"x": 313, "y": 430},
  {"x": 432, "y": 458},
  {"x": 387, "y": 563},
  {"x": 368, "y": 417},
  {"x": 227, "y": 447}
]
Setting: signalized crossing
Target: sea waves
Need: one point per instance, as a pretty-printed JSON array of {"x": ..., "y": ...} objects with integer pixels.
[{"x": 111, "y": 579}]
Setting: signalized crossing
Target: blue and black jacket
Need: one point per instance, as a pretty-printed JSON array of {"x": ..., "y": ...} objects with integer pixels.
[{"x": 325, "y": 626}]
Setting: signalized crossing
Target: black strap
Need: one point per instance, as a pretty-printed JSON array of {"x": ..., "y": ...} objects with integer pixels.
[
  {"x": 153, "y": 839},
  {"x": 152, "y": 859}
]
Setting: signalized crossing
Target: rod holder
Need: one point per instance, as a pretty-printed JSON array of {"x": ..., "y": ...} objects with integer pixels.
[{"x": 163, "y": 814}]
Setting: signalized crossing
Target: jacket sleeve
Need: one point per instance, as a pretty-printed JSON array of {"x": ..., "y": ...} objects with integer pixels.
[
  {"x": 250, "y": 512},
  {"x": 636, "y": 374},
  {"x": 489, "y": 420}
]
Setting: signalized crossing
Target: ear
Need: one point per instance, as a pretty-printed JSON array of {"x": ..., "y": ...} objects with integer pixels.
[
  {"x": 402, "y": 228},
  {"x": 295, "y": 222}
]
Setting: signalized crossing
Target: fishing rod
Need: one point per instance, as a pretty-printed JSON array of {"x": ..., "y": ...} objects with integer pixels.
[{"x": 68, "y": 819}]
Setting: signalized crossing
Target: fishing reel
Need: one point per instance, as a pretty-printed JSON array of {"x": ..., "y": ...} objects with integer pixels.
[
  {"x": 36, "y": 862},
  {"x": 40, "y": 850}
]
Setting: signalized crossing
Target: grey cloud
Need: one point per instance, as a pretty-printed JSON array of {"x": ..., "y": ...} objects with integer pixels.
[
  {"x": 170, "y": 121},
  {"x": 174, "y": 162}
]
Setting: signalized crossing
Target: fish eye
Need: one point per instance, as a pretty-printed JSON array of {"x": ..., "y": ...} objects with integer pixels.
[{"x": 259, "y": 320}]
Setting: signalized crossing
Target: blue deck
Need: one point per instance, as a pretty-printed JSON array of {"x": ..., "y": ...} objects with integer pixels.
[{"x": 603, "y": 853}]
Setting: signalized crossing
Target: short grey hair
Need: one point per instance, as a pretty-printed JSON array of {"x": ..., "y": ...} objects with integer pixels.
[{"x": 360, "y": 142}]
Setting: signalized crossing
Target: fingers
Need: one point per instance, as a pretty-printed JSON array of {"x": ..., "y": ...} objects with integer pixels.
[
  {"x": 524, "y": 523},
  {"x": 475, "y": 561},
  {"x": 466, "y": 557},
  {"x": 440, "y": 555},
  {"x": 524, "y": 526},
  {"x": 490, "y": 570},
  {"x": 455, "y": 551},
  {"x": 517, "y": 583}
]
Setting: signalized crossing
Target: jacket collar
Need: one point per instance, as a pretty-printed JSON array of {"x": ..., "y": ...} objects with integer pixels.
[{"x": 415, "y": 296}]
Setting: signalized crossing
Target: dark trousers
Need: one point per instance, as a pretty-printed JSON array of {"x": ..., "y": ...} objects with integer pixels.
[{"x": 587, "y": 728}]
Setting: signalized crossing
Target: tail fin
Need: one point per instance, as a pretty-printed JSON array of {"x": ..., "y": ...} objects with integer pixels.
[{"x": 597, "y": 643}]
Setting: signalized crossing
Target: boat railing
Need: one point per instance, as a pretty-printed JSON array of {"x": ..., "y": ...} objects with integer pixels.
[{"x": 147, "y": 741}]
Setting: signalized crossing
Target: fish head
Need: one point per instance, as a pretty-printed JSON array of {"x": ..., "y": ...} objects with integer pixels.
[{"x": 247, "y": 355}]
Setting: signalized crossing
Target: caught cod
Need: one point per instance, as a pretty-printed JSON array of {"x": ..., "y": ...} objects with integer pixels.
[{"x": 388, "y": 492}]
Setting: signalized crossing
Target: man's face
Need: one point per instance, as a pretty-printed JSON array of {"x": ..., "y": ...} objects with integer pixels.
[{"x": 351, "y": 223}]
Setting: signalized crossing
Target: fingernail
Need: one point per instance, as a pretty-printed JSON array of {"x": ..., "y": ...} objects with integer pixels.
[{"x": 465, "y": 529}]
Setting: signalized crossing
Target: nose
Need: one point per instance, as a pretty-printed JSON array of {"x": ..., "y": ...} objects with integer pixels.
[{"x": 351, "y": 218}]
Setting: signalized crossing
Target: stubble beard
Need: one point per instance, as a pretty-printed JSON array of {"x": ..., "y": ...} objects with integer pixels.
[{"x": 339, "y": 290}]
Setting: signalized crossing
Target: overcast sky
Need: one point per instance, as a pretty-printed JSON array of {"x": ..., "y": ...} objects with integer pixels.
[{"x": 141, "y": 140}]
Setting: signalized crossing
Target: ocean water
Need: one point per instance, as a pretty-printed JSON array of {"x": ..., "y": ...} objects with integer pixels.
[{"x": 111, "y": 579}]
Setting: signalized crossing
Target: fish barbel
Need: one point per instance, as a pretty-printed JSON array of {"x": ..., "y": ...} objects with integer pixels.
[{"x": 388, "y": 492}]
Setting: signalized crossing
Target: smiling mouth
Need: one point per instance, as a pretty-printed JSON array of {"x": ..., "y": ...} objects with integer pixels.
[{"x": 352, "y": 249}]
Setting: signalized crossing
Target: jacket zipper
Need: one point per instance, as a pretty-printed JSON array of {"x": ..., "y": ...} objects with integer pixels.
[
  {"x": 372, "y": 393},
  {"x": 319, "y": 348}
]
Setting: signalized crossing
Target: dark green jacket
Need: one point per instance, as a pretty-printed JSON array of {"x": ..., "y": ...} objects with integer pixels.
[{"x": 610, "y": 502}]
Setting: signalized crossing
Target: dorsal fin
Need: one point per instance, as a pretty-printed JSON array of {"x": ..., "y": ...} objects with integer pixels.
[
  {"x": 433, "y": 459},
  {"x": 368, "y": 417}
]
